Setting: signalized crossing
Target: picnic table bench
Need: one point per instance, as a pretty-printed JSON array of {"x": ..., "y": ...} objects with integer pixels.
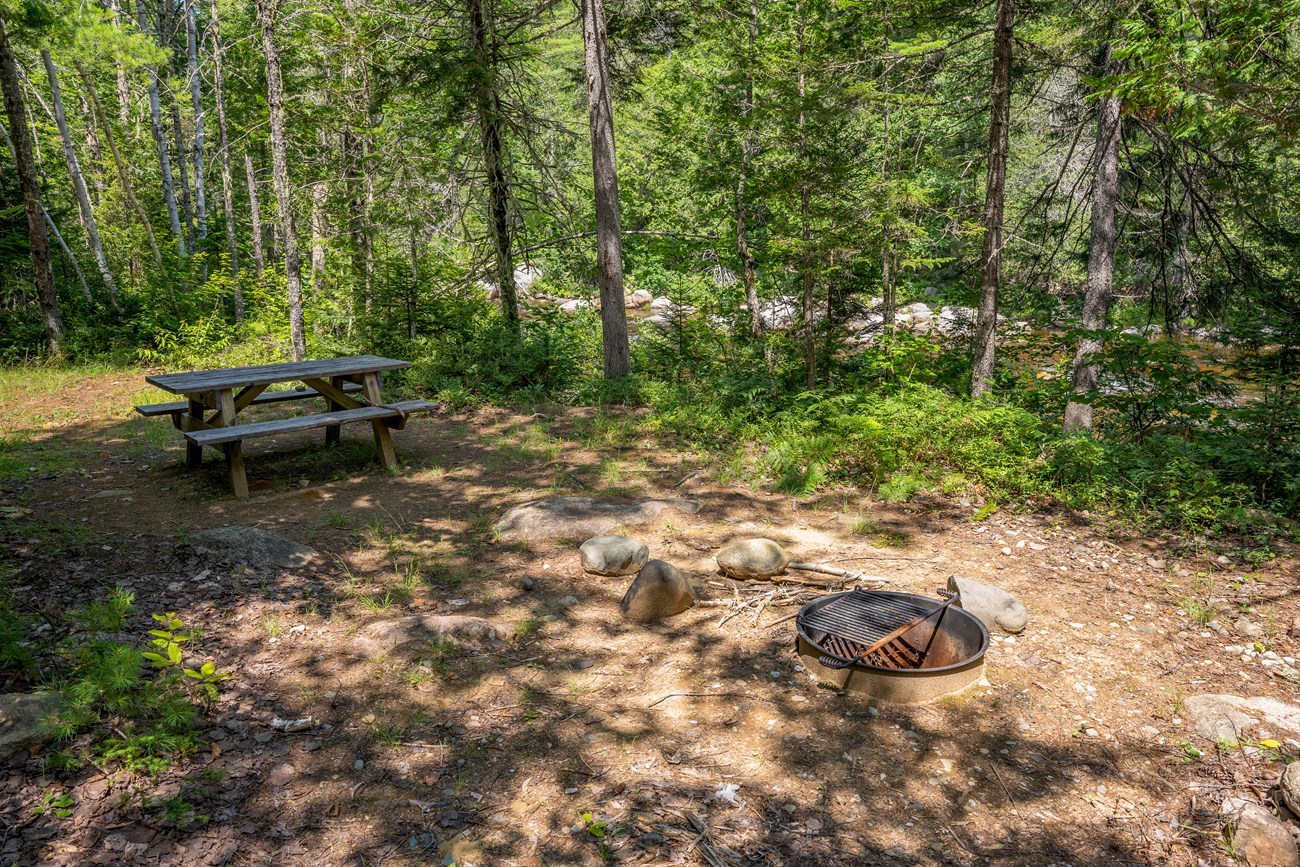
[{"x": 214, "y": 398}]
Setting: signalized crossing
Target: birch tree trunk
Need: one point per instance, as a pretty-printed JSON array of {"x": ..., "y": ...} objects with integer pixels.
[
  {"x": 160, "y": 140},
  {"x": 805, "y": 229},
  {"x": 255, "y": 212},
  {"x": 187, "y": 212},
  {"x": 125, "y": 179},
  {"x": 123, "y": 86},
  {"x": 196, "y": 95},
  {"x": 267, "y": 13},
  {"x": 1101, "y": 261},
  {"x": 38, "y": 238},
  {"x": 223, "y": 156},
  {"x": 609, "y": 243},
  {"x": 319, "y": 193},
  {"x": 986, "y": 319},
  {"x": 79, "y": 183},
  {"x": 67, "y": 254},
  {"x": 92, "y": 147},
  {"x": 490, "y": 120}
]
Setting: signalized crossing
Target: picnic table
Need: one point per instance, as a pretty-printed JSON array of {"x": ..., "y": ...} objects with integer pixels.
[{"x": 208, "y": 416}]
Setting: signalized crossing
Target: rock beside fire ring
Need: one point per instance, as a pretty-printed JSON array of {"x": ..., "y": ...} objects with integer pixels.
[
  {"x": 993, "y": 605},
  {"x": 581, "y": 517},
  {"x": 752, "y": 558},
  {"x": 613, "y": 555},
  {"x": 1258, "y": 837},
  {"x": 660, "y": 590}
]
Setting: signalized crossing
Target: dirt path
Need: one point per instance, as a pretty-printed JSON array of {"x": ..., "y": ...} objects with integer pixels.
[{"x": 1074, "y": 752}]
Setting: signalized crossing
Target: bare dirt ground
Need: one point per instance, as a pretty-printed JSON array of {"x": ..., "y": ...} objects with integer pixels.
[{"x": 586, "y": 739}]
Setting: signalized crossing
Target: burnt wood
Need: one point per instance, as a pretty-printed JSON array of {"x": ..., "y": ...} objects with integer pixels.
[{"x": 265, "y": 374}]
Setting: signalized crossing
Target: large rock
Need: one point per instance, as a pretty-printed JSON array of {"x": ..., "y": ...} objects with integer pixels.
[
  {"x": 574, "y": 305},
  {"x": 779, "y": 312},
  {"x": 1231, "y": 717},
  {"x": 525, "y": 277},
  {"x": 640, "y": 298},
  {"x": 613, "y": 555},
  {"x": 24, "y": 720},
  {"x": 254, "y": 545},
  {"x": 1290, "y": 788},
  {"x": 660, "y": 590},
  {"x": 581, "y": 517},
  {"x": 752, "y": 558},
  {"x": 993, "y": 605},
  {"x": 663, "y": 302},
  {"x": 385, "y": 635},
  {"x": 1257, "y": 836}
]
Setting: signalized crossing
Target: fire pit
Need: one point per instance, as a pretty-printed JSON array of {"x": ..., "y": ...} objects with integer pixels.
[{"x": 893, "y": 646}]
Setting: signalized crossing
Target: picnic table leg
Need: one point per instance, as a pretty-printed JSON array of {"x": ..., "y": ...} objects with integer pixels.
[
  {"x": 332, "y": 432},
  {"x": 194, "y": 453},
  {"x": 383, "y": 439},
  {"x": 234, "y": 451}
]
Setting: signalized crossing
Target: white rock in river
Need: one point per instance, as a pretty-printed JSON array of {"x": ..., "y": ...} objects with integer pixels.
[
  {"x": 613, "y": 555},
  {"x": 993, "y": 605},
  {"x": 661, "y": 303}
]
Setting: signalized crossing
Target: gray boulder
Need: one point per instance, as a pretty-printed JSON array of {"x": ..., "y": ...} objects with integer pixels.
[
  {"x": 660, "y": 590},
  {"x": 1257, "y": 836},
  {"x": 613, "y": 555},
  {"x": 639, "y": 298},
  {"x": 993, "y": 605},
  {"x": 385, "y": 635},
  {"x": 1231, "y": 717},
  {"x": 581, "y": 517},
  {"x": 1290, "y": 788},
  {"x": 752, "y": 558},
  {"x": 254, "y": 545},
  {"x": 24, "y": 720}
]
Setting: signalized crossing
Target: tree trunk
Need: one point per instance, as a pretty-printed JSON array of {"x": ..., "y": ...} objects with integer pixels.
[
  {"x": 609, "y": 243},
  {"x": 267, "y": 13},
  {"x": 38, "y": 238},
  {"x": 67, "y": 253},
  {"x": 1101, "y": 261},
  {"x": 123, "y": 86},
  {"x": 92, "y": 148},
  {"x": 187, "y": 212},
  {"x": 125, "y": 179},
  {"x": 196, "y": 95},
  {"x": 160, "y": 140},
  {"x": 490, "y": 120},
  {"x": 888, "y": 273},
  {"x": 255, "y": 214},
  {"x": 994, "y": 192},
  {"x": 223, "y": 156},
  {"x": 742, "y": 206},
  {"x": 79, "y": 182},
  {"x": 805, "y": 229},
  {"x": 415, "y": 282},
  {"x": 318, "y": 195}
]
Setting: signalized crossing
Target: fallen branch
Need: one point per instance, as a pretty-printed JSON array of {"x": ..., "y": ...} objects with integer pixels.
[{"x": 708, "y": 695}]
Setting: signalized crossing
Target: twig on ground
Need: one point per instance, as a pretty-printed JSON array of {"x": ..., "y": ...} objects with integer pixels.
[{"x": 707, "y": 695}]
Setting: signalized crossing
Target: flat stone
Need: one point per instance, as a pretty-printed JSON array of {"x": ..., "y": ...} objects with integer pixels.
[
  {"x": 993, "y": 605},
  {"x": 1290, "y": 788},
  {"x": 1257, "y": 836},
  {"x": 613, "y": 555},
  {"x": 581, "y": 517},
  {"x": 254, "y": 545},
  {"x": 385, "y": 635},
  {"x": 1232, "y": 717},
  {"x": 660, "y": 590},
  {"x": 752, "y": 558},
  {"x": 24, "y": 720}
]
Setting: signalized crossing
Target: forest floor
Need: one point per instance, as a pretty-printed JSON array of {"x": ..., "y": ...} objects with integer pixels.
[{"x": 586, "y": 739}]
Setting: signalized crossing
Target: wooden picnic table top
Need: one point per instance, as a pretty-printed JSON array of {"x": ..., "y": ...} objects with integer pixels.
[{"x": 197, "y": 381}]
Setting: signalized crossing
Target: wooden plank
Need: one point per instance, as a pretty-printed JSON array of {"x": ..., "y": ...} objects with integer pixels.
[
  {"x": 247, "y": 396},
  {"x": 383, "y": 439},
  {"x": 193, "y": 451},
  {"x": 227, "y": 410},
  {"x": 265, "y": 374},
  {"x": 334, "y": 393},
  {"x": 406, "y": 408},
  {"x": 218, "y": 435},
  {"x": 150, "y": 410},
  {"x": 332, "y": 432}
]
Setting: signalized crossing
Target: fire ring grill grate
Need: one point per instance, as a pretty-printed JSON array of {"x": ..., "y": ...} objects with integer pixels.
[{"x": 897, "y": 646}]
